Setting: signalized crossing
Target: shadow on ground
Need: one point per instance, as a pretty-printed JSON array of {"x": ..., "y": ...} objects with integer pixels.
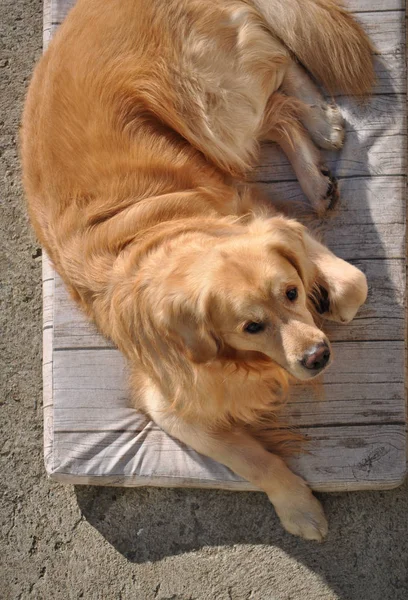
[{"x": 147, "y": 525}]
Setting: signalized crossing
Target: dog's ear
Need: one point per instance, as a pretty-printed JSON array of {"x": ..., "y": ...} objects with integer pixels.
[
  {"x": 192, "y": 335},
  {"x": 288, "y": 239},
  {"x": 161, "y": 327}
]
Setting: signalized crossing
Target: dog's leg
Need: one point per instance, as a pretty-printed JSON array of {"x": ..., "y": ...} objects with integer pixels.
[
  {"x": 282, "y": 124},
  {"x": 323, "y": 121},
  {"x": 344, "y": 287},
  {"x": 299, "y": 511}
]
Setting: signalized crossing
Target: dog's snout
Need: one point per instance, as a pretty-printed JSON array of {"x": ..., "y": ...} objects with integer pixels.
[{"x": 317, "y": 357}]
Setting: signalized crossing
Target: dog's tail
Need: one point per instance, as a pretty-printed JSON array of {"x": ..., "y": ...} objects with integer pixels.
[{"x": 325, "y": 38}]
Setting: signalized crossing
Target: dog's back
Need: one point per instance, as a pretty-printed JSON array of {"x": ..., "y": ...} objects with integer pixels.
[{"x": 132, "y": 97}]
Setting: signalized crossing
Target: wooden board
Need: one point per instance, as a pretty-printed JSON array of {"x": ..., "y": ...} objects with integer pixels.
[
  {"x": 355, "y": 417},
  {"x": 375, "y": 134},
  {"x": 365, "y": 386},
  {"x": 381, "y": 318}
]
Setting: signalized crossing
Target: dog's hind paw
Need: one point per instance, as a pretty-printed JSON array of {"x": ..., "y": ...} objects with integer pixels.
[
  {"x": 326, "y": 191},
  {"x": 332, "y": 193},
  {"x": 326, "y": 126}
]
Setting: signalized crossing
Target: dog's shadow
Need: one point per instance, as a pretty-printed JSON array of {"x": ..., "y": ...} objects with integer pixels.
[{"x": 147, "y": 525}]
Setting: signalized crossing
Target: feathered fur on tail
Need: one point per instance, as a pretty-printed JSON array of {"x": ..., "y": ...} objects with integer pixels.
[{"x": 325, "y": 38}]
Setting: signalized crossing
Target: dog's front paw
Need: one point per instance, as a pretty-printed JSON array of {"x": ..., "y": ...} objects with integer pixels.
[
  {"x": 341, "y": 299},
  {"x": 302, "y": 514}
]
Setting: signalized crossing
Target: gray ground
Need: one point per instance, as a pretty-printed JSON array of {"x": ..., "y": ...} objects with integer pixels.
[{"x": 100, "y": 543}]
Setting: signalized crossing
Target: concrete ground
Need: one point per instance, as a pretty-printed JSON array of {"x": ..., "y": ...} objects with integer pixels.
[{"x": 110, "y": 544}]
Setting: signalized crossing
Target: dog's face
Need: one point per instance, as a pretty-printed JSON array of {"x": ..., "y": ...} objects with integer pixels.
[
  {"x": 259, "y": 304},
  {"x": 250, "y": 293}
]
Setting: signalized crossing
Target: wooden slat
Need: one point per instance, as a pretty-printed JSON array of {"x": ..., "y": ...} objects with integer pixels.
[
  {"x": 47, "y": 23},
  {"x": 363, "y": 385},
  {"x": 341, "y": 459},
  {"x": 354, "y": 458},
  {"x": 381, "y": 318},
  {"x": 383, "y": 315},
  {"x": 376, "y": 403},
  {"x": 375, "y": 142},
  {"x": 48, "y": 304},
  {"x": 385, "y": 30},
  {"x": 387, "y": 33},
  {"x": 48, "y": 322},
  {"x": 95, "y": 380},
  {"x": 60, "y": 10},
  {"x": 374, "y": 5},
  {"x": 89, "y": 378},
  {"x": 71, "y": 327},
  {"x": 370, "y": 219}
]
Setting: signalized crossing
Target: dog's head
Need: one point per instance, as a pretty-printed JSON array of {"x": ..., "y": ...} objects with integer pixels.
[
  {"x": 242, "y": 295},
  {"x": 245, "y": 294}
]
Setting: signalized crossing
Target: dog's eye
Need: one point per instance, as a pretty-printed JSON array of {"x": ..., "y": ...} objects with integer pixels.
[
  {"x": 254, "y": 327},
  {"x": 292, "y": 294}
]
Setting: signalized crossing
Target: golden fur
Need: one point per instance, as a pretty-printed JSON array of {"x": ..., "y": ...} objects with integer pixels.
[{"x": 141, "y": 124}]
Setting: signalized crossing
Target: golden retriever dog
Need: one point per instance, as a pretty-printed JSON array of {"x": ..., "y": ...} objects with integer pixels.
[{"x": 142, "y": 122}]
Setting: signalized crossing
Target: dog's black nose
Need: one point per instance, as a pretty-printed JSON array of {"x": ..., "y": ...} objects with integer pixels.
[{"x": 316, "y": 357}]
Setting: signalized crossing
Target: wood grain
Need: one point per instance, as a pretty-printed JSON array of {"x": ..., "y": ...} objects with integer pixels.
[
  {"x": 382, "y": 317},
  {"x": 370, "y": 216},
  {"x": 374, "y": 5},
  {"x": 89, "y": 380},
  {"x": 375, "y": 135},
  {"x": 341, "y": 459},
  {"x": 354, "y": 458}
]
